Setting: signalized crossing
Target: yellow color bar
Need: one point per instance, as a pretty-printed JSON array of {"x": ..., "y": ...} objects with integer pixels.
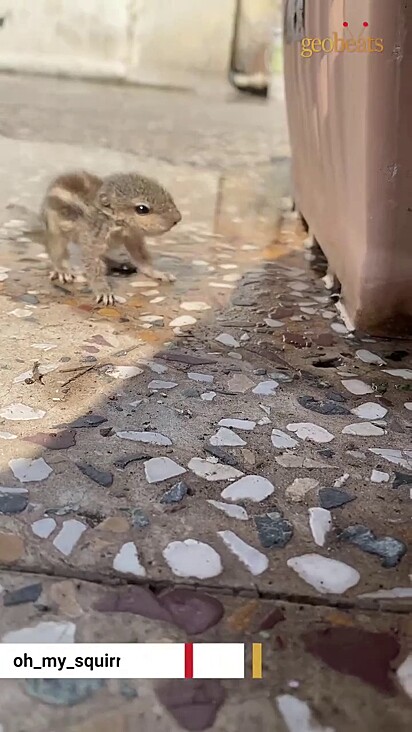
[{"x": 256, "y": 661}]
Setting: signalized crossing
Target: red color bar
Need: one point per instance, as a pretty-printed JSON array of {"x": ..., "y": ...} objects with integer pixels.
[{"x": 188, "y": 660}]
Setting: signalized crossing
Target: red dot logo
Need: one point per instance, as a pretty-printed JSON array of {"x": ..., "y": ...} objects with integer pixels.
[
  {"x": 345, "y": 24},
  {"x": 365, "y": 24}
]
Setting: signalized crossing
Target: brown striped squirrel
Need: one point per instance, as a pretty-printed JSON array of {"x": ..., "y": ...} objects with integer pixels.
[{"x": 100, "y": 214}]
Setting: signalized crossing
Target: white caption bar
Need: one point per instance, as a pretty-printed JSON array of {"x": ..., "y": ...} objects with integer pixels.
[{"x": 122, "y": 661}]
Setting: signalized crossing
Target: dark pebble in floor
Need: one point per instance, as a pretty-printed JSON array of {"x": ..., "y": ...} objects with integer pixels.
[
  {"x": 193, "y": 611},
  {"x": 136, "y": 600},
  {"x": 175, "y": 494},
  {"x": 223, "y": 456},
  {"x": 12, "y": 503},
  {"x": 356, "y": 652},
  {"x": 139, "y": 519},
  {"x": 29, "y": 593},
  {"x": 121, "y": 463},
  {"x": 101, "y": 477},
  {"x": 322, "y": 406},
  {"x": 402, "y": 479},
  {"x": 273, "y": 530},
  {"x": 334, "y": 498},
  {"x": 185, "y": 358},
  {"x": 193, "y": 703},
  {"x": 389, "y": 549},
  {"x": 63, "y": 692}
]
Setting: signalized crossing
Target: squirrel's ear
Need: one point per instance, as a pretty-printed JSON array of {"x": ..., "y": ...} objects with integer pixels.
[{"x": 104, "y": 199}]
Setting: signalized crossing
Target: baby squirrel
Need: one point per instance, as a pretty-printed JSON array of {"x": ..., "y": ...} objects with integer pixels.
[{"x": 100, "y": 214}]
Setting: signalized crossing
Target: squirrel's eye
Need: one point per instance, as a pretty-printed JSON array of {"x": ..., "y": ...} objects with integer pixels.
[{"x": 142, "y": 209}]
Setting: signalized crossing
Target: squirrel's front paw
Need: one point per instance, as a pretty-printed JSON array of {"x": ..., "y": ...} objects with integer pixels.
[
  {"x": 63, "y": 276},
  {"x": 105, "y": 299},
  {"x": 164, "y": 276}
]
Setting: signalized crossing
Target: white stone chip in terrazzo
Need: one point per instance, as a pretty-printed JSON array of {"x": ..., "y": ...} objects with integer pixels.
[
  {"x": 157, "y": 385},
  {"x": 43, "y": 527},
  {"x": 123, "y": 372},
  {"x": 161, "y": 468},
  {"x": 379, "y": 477},
  {"x": 310, "y": 431},
  {"x": 21, "y": 412},
  {"x": 7, "y": 436},
  {"x": 297, "y": 490},
  {"x": 230, "y": 509},
  {"x": 324, "y": 574},
  {"x": 27, "y": 470},
  {"x": 369, "y": 357},
  {"x": 227, "y": 340},
  {"x": 254, "y": 560},
  {"x": 320, "y": 522},
  {"x": 339, "y": 328},
  {"x": 192, "y": 558},
  {"x": 356, "y": 386},
  {"x": 20, "y": 490},
  {"x": 363, "y": 429},
  {"x": 299, "y": 286},
  {"x": 395, "y": 592},
  {"x": 370, "y": 411},
  {"x": 144, "y": 283},
  {"x": 21, "y": 312},
  {"x": 208, "y": 396},
  {"x": 282, "y": 440},
  {"x": 398, "y": 457},
  {"x": 226, "y": 438},
  {"x": 274, "y": 323},
  {"x": 404, "y": 674},
  {"x": 47, "y": 632},
  {"x": 298, "y": 716},
  {"x": 156, "y": 368},
  {"x": 68, "y": 536},
  {"x": 43, "y": 346},
  {"x": 400, "y": 373},
  {"x": 221, "y": 285},
  {"x": 238, "y": 424},
  {"x": 339, "y": 482},
  {"x": 195, "y": 306},
  {"x": 152, "y": 438},
  {"x": 205, "y": 378},
  {"x": 266, "y": 388},
  {"x": 251, "y": 487},
  {"x": 127, "y": 561},
  {"x": 151, "y": 318},
  {"x": 408, "y": 405},
  {"x": 212, "y": 470}
]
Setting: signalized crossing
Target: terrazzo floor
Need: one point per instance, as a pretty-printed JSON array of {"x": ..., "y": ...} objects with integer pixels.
[{"x": 221, "y": 458}]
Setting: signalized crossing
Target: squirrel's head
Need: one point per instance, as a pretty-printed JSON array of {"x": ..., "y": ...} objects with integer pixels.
[{"x": 135, "y": 201}]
